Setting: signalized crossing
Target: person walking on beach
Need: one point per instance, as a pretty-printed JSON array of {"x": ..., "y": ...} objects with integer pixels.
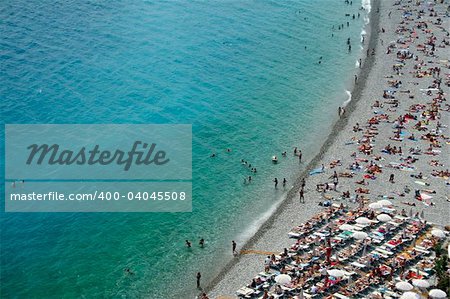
[
  {"x": 391, "y": 178},
  {"x": 233, "y": 247},
  {"x": 275, "y": 180},
  {"x": 360, "y": 63},
  {"x": 199, "y": 276},
  {"x": 303, "y": 183},
  {"x": 302, "y": 196},
  {"x": 356, "y": 78}
]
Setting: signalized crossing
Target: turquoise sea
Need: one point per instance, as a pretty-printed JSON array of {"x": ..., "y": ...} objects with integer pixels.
[{"x": 244, "y": 73}]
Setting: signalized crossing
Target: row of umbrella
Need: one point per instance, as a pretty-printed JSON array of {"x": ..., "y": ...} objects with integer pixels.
[
  {"x": 407, "y": 288},
  {"x": 434, "y": 293},
  {"x": 285, "y": 279},
  {"x": 403, "y": 286}
]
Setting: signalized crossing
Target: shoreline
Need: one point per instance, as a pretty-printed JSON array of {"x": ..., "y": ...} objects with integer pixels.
[{"x": 362, "y": 73}]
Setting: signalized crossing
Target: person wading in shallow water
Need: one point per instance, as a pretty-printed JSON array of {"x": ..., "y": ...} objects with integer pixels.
[
  {"x": 199, "y": 276},
  {"x": 233, "y": 247}
]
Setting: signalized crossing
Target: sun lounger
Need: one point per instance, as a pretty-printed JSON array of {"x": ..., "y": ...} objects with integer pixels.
[
  {"x": 245, "y": 291},
  {"x": 385, "y": 252},
  {"x": 340, "y": 296},
  {"x": 358, "y": 265},
  {"x": 422, "y": 250},
  {"x": 294, "y": 235}
]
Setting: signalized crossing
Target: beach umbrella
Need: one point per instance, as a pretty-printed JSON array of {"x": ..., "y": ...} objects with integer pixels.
[
  {"x": 438, "y": 233},
  {"x": 421, "y": 283},
  {"x": 362, "y": 220},
  {"x": 410, "y": 295},
  {"x": 384, "y": 217},
  {"x": 375, "y": 206},
  {"x": 403, "y": 286},
  {"x": 437, "y": 293},
  {"x": 385, "y": 202},
  {"x": 283, "y": 279},
  {"x": 346, "y": 226},
  {"x": 335, "y": 273},
  {"x": 360, "y": 235}
]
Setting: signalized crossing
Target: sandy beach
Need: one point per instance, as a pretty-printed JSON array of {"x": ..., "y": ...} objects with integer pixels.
[{"x": 365, "y": 149}]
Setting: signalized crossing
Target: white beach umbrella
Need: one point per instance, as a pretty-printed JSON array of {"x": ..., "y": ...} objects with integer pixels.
[
  {"x": 362, "y": 220},
  {"x": 384, "y": 217},
  {"x": 346, "y": 226},
  {"x": 335, "y": 273},
  {"x": 283, "y": 279},
  {"x": 438, "y": 233},
  {"x": 403, "y": 286},
  {"x": 410, "y": 295},
  {"x": 360, "y": 235},
  {"x": 437, "y": 293},
  {"x": 385, "y": 202},
  {"x": 375, "y": 206},
  {"x": 421, "y": 283}
]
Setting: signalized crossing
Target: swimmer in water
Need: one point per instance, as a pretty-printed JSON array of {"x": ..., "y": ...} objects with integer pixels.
[
  {"x": 284, "y": 154},
  {"x": 188, "y": 244},
  {"x": 202, "y": 242},
  {"x": 275, "y": 180},
  {"x": 213, "y": 155}
]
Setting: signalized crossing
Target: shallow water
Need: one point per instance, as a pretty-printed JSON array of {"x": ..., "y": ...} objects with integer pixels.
[{"x": 238, "y": 71}]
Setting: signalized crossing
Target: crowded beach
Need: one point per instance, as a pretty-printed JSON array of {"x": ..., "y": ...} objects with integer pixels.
[{"x": 378, "y": 207}]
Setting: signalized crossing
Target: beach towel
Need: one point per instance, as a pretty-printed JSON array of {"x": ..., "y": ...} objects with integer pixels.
[{"x": 316, "y": 171}]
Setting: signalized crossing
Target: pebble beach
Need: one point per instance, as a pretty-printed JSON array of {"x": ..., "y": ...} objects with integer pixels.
[{"x": 392, "y": 141}]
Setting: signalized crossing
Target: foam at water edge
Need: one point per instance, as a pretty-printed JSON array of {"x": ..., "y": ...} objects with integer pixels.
[
  {"x": 257, "y": 223},
  {"x": 366, "y": 5},
  {"x": 349, "y": 94}
]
